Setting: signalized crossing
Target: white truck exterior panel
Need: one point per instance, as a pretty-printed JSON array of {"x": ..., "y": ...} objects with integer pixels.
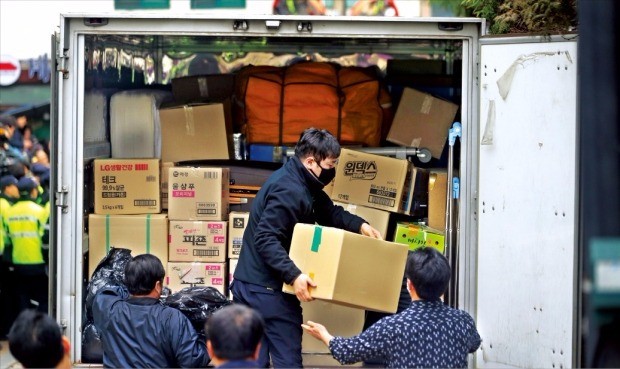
[{"x": 527, "y": 204}]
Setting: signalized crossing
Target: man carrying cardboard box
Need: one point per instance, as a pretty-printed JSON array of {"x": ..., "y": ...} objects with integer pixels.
[
  {"x": 428, "y": 334},
  {"x": 293, "y": 194}
]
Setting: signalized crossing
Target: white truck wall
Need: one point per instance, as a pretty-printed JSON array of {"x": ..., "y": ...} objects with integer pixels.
[{"x": 527, "y": 204}]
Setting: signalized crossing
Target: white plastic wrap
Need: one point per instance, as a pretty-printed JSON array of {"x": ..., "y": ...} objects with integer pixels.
[
  {"x": 134, "y": 123},
  {"x": 97, "y": 115}
]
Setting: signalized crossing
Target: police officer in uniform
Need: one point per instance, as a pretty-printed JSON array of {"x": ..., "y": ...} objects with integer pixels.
[{"x": 25, "y": 224}]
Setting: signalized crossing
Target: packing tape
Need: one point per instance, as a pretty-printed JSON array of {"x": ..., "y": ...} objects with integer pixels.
[
  {"x": 148, "y": 234},
  {"x": 316, "y": 239},
  {"x": 107, "y": 234}
]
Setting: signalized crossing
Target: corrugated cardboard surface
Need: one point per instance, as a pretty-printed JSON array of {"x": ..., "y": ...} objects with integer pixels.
[
  {"x": 416, "y": 236},
  {"x": 379, "y": 219},
  {"x": 340, "y": 320},
  {"x": 196, "y": 132},
  {"x": 196, "y": 240},
  {"x": 437, "y": 188},
  {"x": 127, "y": 186},
  {"x": 371, "y": 180},
  {"x": 198, "y": 193},
  {"x": 238, "y": 221},
  {"x": 181, "y": 275},
  {"x": 349, "y": 268},
  {"x": 143, "y": 234},
  {"x": 422, "y": 120},
  {"x": 164, "y": 183}
]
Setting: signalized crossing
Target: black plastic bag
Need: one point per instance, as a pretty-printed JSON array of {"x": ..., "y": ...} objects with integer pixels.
[
  {"x": 92, "y": 350},
  {"x": 109, "y": 273},
  {"x": 197, "y": 304}
]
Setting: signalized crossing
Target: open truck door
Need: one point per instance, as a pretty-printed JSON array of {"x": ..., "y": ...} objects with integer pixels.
[{"x": 527, "y": 308}]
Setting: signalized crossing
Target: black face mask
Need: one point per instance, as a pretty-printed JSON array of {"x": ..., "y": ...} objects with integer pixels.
[{"x": 326, "y": 176}]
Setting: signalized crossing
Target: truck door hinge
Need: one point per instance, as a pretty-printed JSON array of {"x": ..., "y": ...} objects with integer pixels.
[
  {"x": 61, "y": 64},
  {"x": 61, "y": 199}
]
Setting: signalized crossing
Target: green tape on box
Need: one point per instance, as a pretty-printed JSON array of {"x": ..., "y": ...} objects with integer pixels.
[{"x": 316, "y": 239}]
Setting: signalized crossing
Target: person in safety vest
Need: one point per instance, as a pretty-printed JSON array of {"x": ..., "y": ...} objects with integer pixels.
[
  {"x": 25, "y": 225},
  {"x": 8, "y": 309},
  {"x": 299, "y": 7}
]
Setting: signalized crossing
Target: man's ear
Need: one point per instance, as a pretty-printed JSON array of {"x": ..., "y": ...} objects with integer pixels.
[
  {"x": 256, "y": 352},
  {"x": 66, "y": 345},
  {"x": 210, "y": 349}
]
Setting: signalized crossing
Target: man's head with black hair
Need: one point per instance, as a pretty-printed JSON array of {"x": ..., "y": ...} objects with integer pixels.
[
  {"x": 36, "y": 341},
  {"x": 317, "y": 143},
  {"x": 234, "y": 333},
  {"x": 142, "y": 274},
  {"x": 429, "y": 273}
]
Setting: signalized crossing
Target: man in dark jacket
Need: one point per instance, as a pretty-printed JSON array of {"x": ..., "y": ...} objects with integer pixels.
[
  {"x": 137, "y": 331},
  {"x": 293, "y": 194}
]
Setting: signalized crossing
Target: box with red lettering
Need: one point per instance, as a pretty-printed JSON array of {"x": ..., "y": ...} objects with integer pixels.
[
  {"x": 127, "y": 186},
  {"x": 197, "y": 241}
]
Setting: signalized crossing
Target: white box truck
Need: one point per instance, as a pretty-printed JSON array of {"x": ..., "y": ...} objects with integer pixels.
[{"x": 515, "y": 245}]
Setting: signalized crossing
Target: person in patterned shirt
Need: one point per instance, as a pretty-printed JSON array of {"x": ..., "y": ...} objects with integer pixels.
[{"x": 428, "y": 334}]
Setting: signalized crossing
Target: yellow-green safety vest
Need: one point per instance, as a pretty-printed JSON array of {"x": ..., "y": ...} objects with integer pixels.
[{"x": 25, "y": 223}]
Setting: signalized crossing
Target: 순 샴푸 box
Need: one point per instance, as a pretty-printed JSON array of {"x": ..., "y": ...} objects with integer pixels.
[
  {"x": 198, "y": 193},
  {"x": 127, "y": 186},
  {"x": 349, "y": 268}
]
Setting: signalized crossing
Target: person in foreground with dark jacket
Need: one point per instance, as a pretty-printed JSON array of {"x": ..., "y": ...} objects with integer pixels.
[
  {"x": 293, "y": 194},
  {"x": 429, "y": 334},
  {"x": 137, "y": 331},
  {"x": 233, "y": 337}
]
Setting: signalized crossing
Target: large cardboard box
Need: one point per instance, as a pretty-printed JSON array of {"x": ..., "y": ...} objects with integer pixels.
[
  {"x": 417, "y": 235},
  {"x": 437, "y": 191},
  {"x": 181, "y": 275},
  {"x": 142, "y": 234},
  {"x": 379, "y": 219},
  {"x": 238, "y": 223},
  {"x": 198, "y": 193},
  {"x": 127, "y": 186},
  {"x": 195, "y": 132},
  {"x": 344, "y": 321},
  {"x": 164, "y": 183},
  {"x": 349, "y": 268},
  {"x": 374, "y": 181},
  {"x": 422, "y": 120},
  {"x": 197, "y": 241}
]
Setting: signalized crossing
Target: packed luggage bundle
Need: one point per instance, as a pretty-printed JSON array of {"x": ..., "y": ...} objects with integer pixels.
[{"x": 275, "y": 104}]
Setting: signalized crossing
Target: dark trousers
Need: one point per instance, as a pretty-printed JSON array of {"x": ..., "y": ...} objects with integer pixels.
[
  {"x": 9, "y": 302},
  {"x": 31, "y": 284},
  {"x": 282, "y": 315}
]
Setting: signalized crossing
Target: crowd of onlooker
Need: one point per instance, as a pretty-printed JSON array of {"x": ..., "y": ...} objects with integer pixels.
[{"x": 24, "y": 218}]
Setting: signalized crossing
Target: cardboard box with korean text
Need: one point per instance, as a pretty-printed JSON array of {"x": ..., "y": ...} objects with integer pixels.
[
  {"x": 232, "y": 265},
  {"x": 374, "y": 181},
  {"x": 164, "y": 183},
  {"x": 379, "y": 219},
  {"x": 196, "y": 240},
  {"x": 344, "y": 321},
  {"x": 238, "y": 221},
  {"x": 127, "y": 186},
  {"x": 198, "y": 193},
  {"x": 437, "y": 188},
  {"x": 422, "y": 120},
  {"x": 417, "y": 235},
  {"x": 142, "y": 234},
  {"x": 349, "y": 268},
  {"x": 181, "y": 275},
  {"x": 196, "y": 132}
]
